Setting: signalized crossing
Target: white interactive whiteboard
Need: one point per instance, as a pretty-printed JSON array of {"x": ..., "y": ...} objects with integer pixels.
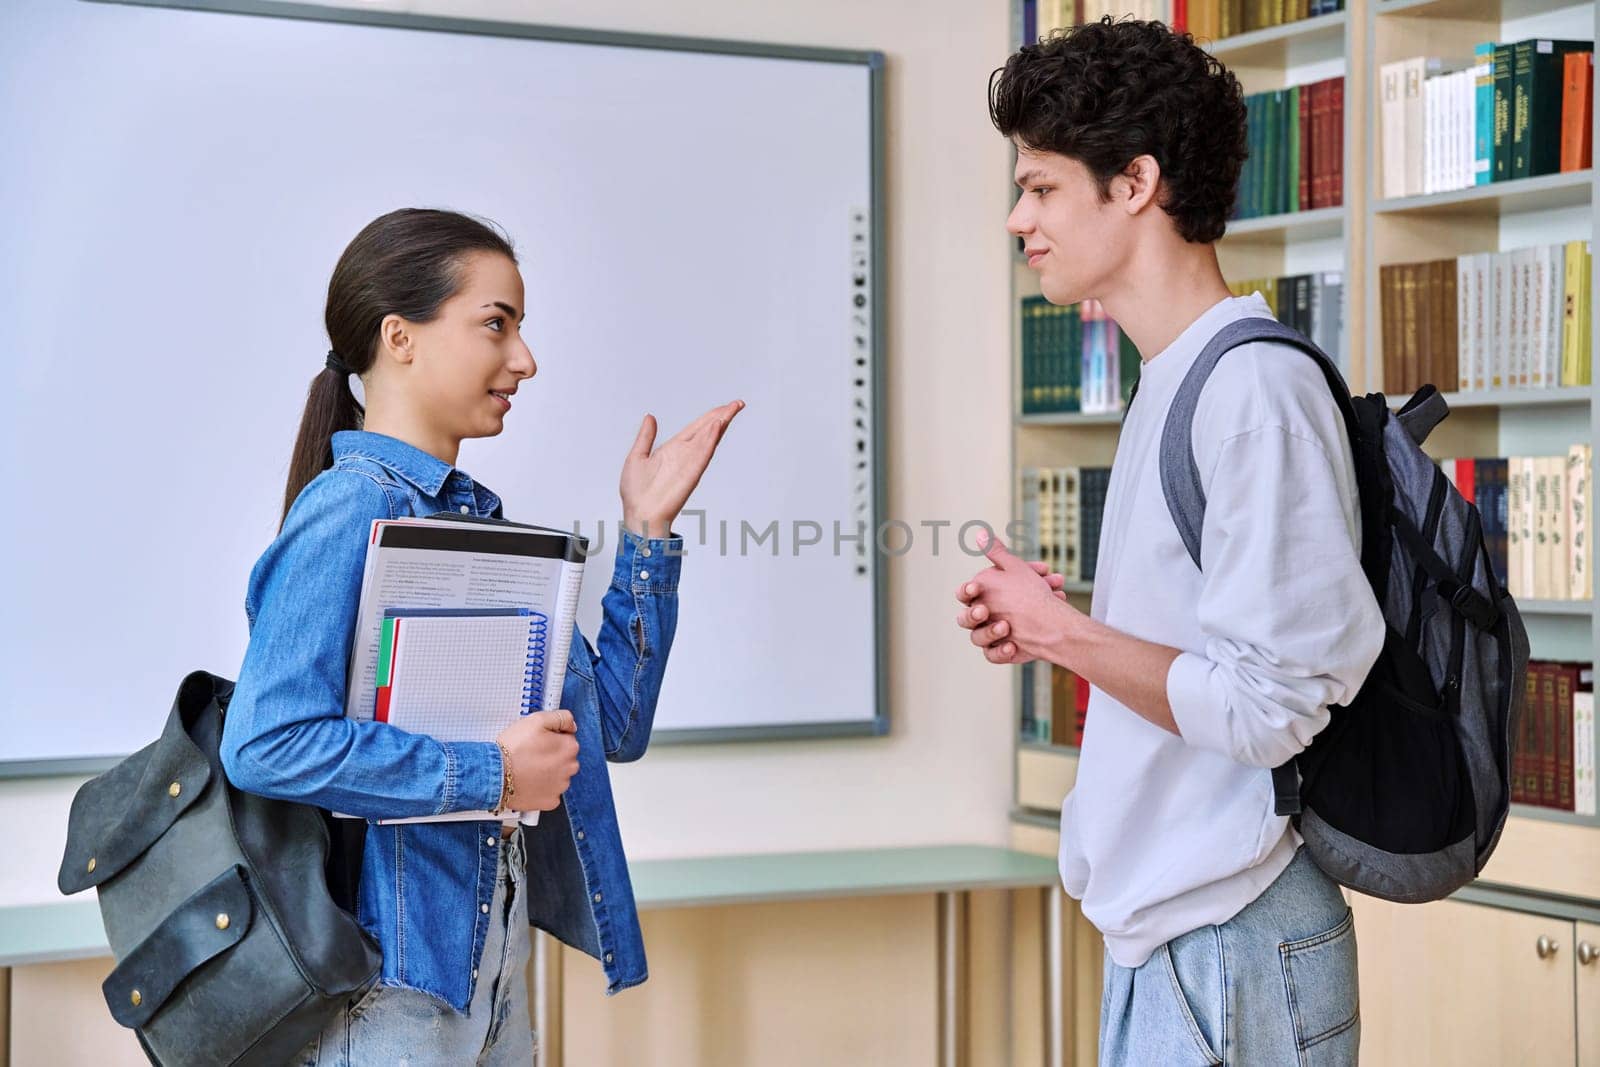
[{"x": 696, "y": 221}]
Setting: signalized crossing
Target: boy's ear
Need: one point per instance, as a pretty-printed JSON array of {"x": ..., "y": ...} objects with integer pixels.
[{"x": 1141, "y": 179}]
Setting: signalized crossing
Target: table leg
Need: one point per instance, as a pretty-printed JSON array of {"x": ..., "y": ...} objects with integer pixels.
[
  {"x": 953, "y": 978},
  {"x": 547, "y": 999},
  {"x": 1055, "y": 1043}
]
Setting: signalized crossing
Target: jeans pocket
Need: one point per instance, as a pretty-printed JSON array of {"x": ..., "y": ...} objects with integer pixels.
[
  {"x": 1185, "y": 1010},
  {"x": 1319, "y": 976}
]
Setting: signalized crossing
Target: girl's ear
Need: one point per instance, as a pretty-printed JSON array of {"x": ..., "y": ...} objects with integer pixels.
[{"x": 394, "y": 339}]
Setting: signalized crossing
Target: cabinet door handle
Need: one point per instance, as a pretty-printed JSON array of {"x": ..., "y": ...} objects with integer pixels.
[
  {"x": 1546, "y": 946},
  {"x": 1587, "y": 953}
]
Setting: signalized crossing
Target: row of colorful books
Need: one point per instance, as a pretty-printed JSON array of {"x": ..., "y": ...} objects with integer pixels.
[
  {"x": 1535, "y": 512},
  {"x": 1310, "y": 303},
  {"x": 1492, "y": 320},
  {"x": 1296, "y": 140},
  {"x": 1061, "y": 514},
  {"x": 1552, "y": 754},
  {"x": 1055, "y": 703},
  {"x": 1061, "y": 510},
  {"x": 1512, "y": 111},
  {"x": 1074, "y": 359},
  {"x": 1208, "y": 20},
  {"x": 1215, "y": 20}
]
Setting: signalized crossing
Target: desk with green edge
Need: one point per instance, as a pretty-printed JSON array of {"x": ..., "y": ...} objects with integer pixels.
[{"x": 71, "y": 929}]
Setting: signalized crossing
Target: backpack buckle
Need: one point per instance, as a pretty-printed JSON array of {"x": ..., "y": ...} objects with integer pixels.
[{"x": 1470, "y": 604}]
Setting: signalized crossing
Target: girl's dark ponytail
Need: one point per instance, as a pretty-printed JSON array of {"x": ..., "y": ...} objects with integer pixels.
[
  {"x": 405, "y": 263},
  {"x": 330, "y": 407}
]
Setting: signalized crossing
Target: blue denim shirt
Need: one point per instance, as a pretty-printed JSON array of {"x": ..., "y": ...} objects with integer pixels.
[{"x": 425, "y": 888}]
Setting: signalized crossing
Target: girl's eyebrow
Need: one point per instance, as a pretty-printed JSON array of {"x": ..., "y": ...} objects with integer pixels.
[{"x": 507, "y": 308}]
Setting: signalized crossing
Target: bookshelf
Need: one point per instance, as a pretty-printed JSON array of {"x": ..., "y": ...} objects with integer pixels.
[
  {"x": 1363, "y": 234},
  {"x": 1567, "y": 396},
  {"x": 1321, "y": 224},
  {"x": 1273, "y": 48},
  {"x": 1584, "y": 608},
  {"x": 1496, "y": 217},
  {"x": 1545, "y": 193},
  {"x": 1500, "y": 11},
  {"x": 1109, "y": 418}
]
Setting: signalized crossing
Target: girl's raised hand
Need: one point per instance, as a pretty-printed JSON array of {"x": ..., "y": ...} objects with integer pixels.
[{"x": 656, "y": 482}]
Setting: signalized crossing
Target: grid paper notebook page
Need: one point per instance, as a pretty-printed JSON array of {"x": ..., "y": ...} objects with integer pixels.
[{"x": 463, "y": 678}]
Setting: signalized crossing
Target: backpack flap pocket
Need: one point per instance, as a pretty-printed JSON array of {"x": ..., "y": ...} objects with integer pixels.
[
  {"x": 209, "y": 923},
  {"x": 124, "y": 811}
]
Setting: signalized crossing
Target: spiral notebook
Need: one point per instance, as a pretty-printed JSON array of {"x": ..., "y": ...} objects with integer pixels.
[{"x": 461, "y": 675}]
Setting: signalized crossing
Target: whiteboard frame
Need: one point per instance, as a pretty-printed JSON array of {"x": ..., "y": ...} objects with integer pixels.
[{"x": 878, "y": 724}]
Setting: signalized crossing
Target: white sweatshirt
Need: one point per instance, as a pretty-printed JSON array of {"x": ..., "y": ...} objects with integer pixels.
[{"x": 1165, "y": 834}]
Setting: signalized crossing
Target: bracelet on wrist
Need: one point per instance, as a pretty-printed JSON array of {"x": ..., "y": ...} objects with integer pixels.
[{"x": 508, "y": 784}]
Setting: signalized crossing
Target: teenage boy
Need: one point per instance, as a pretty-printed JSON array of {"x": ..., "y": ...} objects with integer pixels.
[{"x": 1224, "y": 944}]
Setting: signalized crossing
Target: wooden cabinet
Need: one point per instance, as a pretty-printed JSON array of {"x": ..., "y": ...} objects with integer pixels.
[
  {"x": 1468, "y": 984},
  {"x": 1588, "y": 998}
]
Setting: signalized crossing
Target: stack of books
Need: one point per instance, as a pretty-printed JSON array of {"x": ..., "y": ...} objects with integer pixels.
[
  {"x": 1208, "y": 20},
  {"x": 1510, "y": 111},
  {"x": 1061, "y": 512},
  {"x": 1074, "y": 359},
  {"x": 1552, "y": 756},
  {"x": 1506, "y": 320},
  {"x": 1535, "y": 512},
  {"x": 1055, "y": 703},
  {"x": 1296, "y": 139},
  {"x": 1310, "y": 303},
  {"x": 1062, "y": 509}
]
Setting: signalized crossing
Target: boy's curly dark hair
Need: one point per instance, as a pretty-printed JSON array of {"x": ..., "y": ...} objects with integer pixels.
[{"x": 1110, "y": 91}]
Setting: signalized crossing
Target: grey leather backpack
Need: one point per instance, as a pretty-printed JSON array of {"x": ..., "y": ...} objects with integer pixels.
[{"x": 230, "y": 948}]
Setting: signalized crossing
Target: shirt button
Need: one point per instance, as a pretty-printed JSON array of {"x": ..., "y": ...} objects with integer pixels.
[
  {"x": 580, "y": 835},
  {"x": 465, "y": 509},
  {"x": 644, "y": 576},
  {"x": 597, "y": 898},
  {"x": 645, "y": 551},
  {"x": 491, "y": 841},
  {"x": 484, "y": 909},
  {"x": 608, "y": 957},
  {"x": 474, "y": 974}
]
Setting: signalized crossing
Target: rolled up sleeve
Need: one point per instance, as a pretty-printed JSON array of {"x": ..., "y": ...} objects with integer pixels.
[
  {"x": 1290, "y": 624},
  {"x": 286, "y": 734}
]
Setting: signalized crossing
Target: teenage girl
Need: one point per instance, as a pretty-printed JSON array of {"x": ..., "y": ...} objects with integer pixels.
[{"x": 426, "y": 307}]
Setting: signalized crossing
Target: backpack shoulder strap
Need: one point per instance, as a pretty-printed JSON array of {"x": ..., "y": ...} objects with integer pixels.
[{"x": 1180, "y": 474}]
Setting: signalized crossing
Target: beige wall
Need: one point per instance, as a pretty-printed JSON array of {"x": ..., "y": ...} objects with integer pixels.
[{"x": 943, "y": 774}]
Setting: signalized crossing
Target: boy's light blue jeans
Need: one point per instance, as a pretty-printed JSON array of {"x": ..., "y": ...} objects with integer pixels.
[
  {"x": 394, "y": 1026},
  {"x": 1275, "y": 986}
]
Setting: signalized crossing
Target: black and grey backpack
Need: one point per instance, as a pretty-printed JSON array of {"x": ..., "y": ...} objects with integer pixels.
[{"x": 1404, "y": 794}]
